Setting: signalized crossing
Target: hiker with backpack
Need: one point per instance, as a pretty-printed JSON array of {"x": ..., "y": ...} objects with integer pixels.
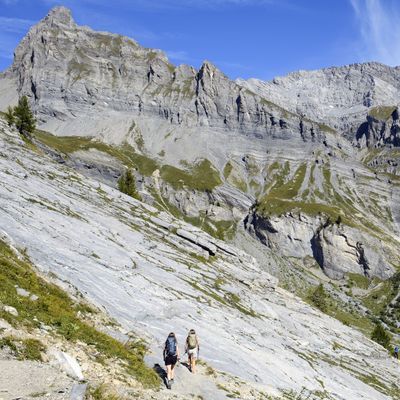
[
  {"x": 192, "y": 348},
  {"x": 396, "y": 352},
  {"x": 171, "y": 356}
]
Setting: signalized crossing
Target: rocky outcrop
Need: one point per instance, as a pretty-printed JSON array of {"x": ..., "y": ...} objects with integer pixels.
[
  {"x": 382, "y": 128},
  {"x": 337, "y": 248}
]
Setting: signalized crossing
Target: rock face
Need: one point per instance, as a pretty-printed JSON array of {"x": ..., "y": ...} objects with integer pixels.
[
  {"x": 382, "y": 128},
  {"x": 339, "y": 96},
  {"x": 338, "y": 249}
]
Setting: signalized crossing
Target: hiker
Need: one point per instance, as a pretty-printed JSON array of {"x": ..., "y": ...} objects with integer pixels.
[
  {"x": 396, "y": 352},
  {"x": 171, "y": 356},
  {"x": 192, "y": 348}
]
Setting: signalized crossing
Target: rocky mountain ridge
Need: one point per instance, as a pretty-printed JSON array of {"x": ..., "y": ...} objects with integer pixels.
[{"x": 341, "y": 97}]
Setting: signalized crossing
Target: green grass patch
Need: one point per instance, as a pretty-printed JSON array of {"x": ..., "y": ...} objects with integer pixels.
[
  {"x": 23, "y": 349},
  {"x": 56, "y": 309},
  {"x": 358, "y": 280},
  {"x": 203, "y": 176},
  {"x": 326, "y": 128},
  {"x": 124, "y": 153},
  {"x": 382, "y": 113},
  {"x": 379, "y": 297},
  {"x": 282, "y": 191}
]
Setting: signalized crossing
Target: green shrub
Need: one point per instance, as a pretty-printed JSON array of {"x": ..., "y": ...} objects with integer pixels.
[
  {"x": 127, "y": 184},
  {"x": 319, "y": 298},
  {"x": 379, "y": 335},
  {"x": 101, "y": 393}
]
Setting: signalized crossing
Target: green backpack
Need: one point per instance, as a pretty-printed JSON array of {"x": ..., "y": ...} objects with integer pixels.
[{"x": 192, "y": 341}]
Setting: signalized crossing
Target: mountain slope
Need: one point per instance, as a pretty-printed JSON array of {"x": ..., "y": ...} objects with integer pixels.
[{"x": 146, "y": 270}]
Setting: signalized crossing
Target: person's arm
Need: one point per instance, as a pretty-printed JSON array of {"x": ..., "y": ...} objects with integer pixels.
[{"x": 198, "y": 344}]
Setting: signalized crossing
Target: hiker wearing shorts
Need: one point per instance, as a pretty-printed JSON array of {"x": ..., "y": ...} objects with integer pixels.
[
  {"x": 192, "y": 348},
  {"x": 171, "y": 356}
]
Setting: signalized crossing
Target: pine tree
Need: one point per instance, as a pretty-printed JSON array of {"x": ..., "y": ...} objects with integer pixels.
[
  {"x": 10, "y": 117},
  {"x": 318, "y": 298},
  {"x": 379, "y": 335},
  {"x": 24, "y": 120},
  {"x": 127, "y": 184}
]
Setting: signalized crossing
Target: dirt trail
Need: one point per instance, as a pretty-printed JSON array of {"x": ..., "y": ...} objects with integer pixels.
[
  {"x": 198, "y": 385},
  {"x": 24, "y": 379}
]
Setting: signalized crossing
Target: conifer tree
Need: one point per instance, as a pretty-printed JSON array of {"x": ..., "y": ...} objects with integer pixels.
[
  {"x": 10, "y": 117},
  {"x": 318, "y": 298},
  {"x": 24, "y": 119},
  {"x": 379, "y": 335},
  {"x": 127, "y": 184}
]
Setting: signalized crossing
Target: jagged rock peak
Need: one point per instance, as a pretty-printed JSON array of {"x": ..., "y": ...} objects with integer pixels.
[
  {"x": 60, "y": 15},
  {"x": 208, "y": 68}
]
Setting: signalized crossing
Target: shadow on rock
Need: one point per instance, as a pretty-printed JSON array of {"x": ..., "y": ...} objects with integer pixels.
[{"x": 161, "y": 373}]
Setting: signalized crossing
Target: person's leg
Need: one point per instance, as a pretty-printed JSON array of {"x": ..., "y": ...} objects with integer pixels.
[
  {"x": 193, "y": 365},
  {"x": 168, "y": 372},
  {"x": 172, "y": 371},
  {"x": 190, "y": 361}
]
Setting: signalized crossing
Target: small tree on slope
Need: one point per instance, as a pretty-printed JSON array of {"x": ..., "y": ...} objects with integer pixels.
[
  {"x": 379, "y": 335},
  {"x": 24, "y": 119},
  {"x": 10, "y": 117},
  {"x": 127, "y": 184},
  {"x": 318, "y": 298}
]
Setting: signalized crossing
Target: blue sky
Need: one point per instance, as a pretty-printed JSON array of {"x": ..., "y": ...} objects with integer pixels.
[{"x": 244, "y": 38}]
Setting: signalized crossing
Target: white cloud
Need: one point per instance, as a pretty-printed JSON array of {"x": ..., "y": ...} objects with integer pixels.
[{"x": 380, "y": 29}]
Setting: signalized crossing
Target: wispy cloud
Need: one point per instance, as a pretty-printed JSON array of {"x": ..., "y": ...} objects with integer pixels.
[
  {"x": 15, "y": 25},
  {"x": 179, "y": 55},
  {"x": 380, "y": 29}
]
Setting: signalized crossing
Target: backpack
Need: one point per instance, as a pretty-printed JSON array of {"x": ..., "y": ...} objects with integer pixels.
[
  {"x": 192, "y": 341},
  {"x": 170, "y": 346}
]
